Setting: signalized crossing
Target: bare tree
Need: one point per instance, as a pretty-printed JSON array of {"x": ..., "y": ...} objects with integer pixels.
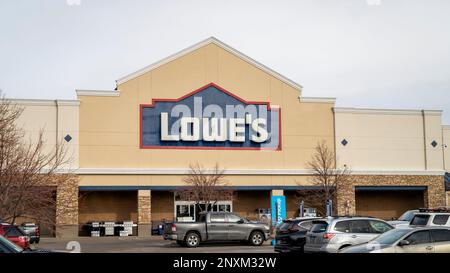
[
  {"x": 205, "y": 187},
  {"x": 327, "y": 177},
  {"x": 28, "y": 173}
]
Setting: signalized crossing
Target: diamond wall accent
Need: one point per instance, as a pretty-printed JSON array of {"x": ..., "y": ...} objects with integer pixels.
[{"x": 68, "y": 138}]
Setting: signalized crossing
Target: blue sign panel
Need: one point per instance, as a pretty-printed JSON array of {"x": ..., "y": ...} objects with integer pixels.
[
  {"x": 210, "y": 118},
  {"x": 278, "y": 205}
]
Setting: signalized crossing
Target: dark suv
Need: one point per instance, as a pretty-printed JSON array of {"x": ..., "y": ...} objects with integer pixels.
[{"x": 291, "y": 235}]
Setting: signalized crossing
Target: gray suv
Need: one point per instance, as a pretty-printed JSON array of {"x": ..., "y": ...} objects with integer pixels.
[{"x": 332, "y": 234}]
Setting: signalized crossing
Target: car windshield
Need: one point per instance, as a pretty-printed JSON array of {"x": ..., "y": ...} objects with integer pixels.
[
  {"x": 9, "y": 244},
  {"x": 390, "y": 236},
  {"x": 407, "y": 216}
]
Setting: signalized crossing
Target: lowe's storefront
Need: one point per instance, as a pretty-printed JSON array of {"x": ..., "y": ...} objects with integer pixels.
[{"x": 212, "y": 105}]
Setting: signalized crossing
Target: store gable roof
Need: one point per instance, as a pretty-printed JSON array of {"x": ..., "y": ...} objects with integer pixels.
[{"x": 211, "y": 40}]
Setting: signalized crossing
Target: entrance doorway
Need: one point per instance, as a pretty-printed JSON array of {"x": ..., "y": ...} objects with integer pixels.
[{"x": 187, "y": 211}]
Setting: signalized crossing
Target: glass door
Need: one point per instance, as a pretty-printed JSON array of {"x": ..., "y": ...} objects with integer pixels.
[{"x": 186, "y": 211}]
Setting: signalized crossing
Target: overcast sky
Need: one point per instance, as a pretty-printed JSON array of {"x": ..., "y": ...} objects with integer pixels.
[{"x": 367, "y": 53}]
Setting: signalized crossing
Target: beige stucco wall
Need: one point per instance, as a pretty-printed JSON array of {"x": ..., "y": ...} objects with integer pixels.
[
  {"x": 109, "y": 126},
  {"x": 389, "y": 139},
  {"x": 446, "y": 137},
  {"x": 177, "y": 180},
  {"x": 55, "y": 119},
  {"x": 433, "y": 132}
]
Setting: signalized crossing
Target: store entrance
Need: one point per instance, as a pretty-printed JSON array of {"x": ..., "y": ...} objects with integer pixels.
[{"x": 187, "y": 211}]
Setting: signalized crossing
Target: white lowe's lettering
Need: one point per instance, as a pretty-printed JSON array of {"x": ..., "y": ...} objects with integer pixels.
[
  {"x": 214, "y": 129},
  {"x": 165, "y": 129}
]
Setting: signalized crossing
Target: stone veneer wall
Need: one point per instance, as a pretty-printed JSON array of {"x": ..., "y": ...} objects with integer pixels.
[
  {"x": 67, "y": 207},
  {"x": 434, "y": 196},
  {"x": 144, "y": 213}
]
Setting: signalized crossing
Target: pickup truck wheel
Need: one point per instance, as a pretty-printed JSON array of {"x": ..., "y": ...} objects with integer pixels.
[
  {"x": 192, "y": 239},
  {"x": 256, "y": 238}
]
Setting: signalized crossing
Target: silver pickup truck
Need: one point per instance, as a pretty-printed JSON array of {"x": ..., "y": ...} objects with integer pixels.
[{"x": 217, "y": 226}]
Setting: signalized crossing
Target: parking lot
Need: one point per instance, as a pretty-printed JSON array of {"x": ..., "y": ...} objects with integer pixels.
[{"x": 154, "y": 244}]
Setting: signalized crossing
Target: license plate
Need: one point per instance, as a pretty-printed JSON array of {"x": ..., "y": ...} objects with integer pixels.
[{"x": 312, "y": 239}]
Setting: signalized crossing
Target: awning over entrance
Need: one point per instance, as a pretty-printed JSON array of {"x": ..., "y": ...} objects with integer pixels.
[{"x": 172, "y": 188}]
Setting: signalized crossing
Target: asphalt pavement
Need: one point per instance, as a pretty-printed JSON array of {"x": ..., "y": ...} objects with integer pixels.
[{"x": 154, "y": 244}]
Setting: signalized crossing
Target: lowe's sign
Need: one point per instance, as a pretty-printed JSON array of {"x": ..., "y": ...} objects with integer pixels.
[{"x": 210, "y": 118}]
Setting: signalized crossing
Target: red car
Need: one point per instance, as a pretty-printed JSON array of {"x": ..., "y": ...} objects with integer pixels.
[{"x": 15, "y": 235}]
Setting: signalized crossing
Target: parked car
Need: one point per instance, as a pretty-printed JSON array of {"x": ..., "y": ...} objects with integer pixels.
[
  {"x": 15, "y": 235},
  {"x": 407, "y": 240},
  {"x": 291, "y": 234},
  {"x": 405, "y": 219},
  {"x": 32, "y": 230},
  {"x": 332, "y": 234},
  {"x": 432, "y": 217},
  {"x": 8, "y": 247},
  {"x": 217, "y": 226}
]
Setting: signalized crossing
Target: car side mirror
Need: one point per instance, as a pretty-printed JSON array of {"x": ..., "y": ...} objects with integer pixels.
[
  {"x": 404, "y": 243},
  {"x": 241, "y": 221}
]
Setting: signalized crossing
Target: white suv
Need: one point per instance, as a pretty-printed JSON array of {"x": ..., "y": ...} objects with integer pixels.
[
  {"x": 332, "y": 234},
  {"x": 432, "y": 217}
]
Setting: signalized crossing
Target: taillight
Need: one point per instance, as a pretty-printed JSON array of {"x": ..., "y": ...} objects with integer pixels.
[
  {"x": 174, "y": 228},
  {"x": 328, "y": 236},
  {"x": 38, "y": 232}
]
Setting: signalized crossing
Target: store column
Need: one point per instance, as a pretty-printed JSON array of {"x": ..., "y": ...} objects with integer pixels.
[
  {"x": 67, "y": 209},
  {"x": 144, "y": 213},
  {"x": 346, "y": 199}
]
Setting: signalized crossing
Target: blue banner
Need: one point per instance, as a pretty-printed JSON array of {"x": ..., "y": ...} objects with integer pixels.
[{"x": 278, "y": 205}]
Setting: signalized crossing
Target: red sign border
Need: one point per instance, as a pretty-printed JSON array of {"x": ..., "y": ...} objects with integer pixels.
[{"x": 154, "y": 101}]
